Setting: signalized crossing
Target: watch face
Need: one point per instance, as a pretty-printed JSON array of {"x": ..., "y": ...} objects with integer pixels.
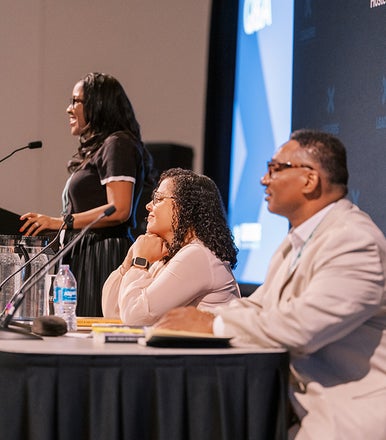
[{"x": 140, "y": 262}]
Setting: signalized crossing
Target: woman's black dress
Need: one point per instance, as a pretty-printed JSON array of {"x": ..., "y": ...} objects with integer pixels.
[{"x": 102, "y": 250}]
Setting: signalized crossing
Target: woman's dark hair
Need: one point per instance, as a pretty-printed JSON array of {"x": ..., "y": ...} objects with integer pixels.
[
  {"x": 326, "y": 150},
  {"x": 107, "y": 109},
  {"x": 198, "y": 208}
]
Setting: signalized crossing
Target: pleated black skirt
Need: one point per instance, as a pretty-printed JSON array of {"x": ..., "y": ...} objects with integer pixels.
[{"x": 91, "y": 261}]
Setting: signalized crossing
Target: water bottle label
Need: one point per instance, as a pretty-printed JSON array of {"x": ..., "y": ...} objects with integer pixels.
[
  {"x": 57, "y": 295},
  {"x": 64, "y": 294}
]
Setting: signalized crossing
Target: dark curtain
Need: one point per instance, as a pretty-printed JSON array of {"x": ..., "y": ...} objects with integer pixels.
[{"x": 219, "y": 99}]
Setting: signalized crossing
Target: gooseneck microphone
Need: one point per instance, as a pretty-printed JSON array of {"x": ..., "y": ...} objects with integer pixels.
[
  {"x": 31, "y": 145},
  {"x": 18, "y": 297}
]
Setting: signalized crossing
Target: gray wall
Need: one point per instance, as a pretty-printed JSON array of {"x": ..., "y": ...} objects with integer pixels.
[
  {"x": 156, "y": 48},
  {"x": 339, "y": 86}
]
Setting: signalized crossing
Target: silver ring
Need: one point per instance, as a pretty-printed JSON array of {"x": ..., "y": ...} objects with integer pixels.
[{"x": 37, "y": 224}]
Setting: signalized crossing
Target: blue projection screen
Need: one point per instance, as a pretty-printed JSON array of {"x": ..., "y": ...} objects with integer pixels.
[{"x": 261, "y": 123}]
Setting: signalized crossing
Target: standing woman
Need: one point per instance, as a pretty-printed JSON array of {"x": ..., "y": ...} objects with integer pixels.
[
  {"x": 185, "y": 258},
  {"x": 109, "y": 168}
]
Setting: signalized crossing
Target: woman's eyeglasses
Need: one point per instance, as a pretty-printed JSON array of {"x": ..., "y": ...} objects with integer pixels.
[
  {"x": 74, "y": 101},
  {"x": 158, "y": 197}
]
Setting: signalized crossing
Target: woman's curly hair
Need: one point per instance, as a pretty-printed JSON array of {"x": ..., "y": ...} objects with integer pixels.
[{"x": 198, "y": 208}]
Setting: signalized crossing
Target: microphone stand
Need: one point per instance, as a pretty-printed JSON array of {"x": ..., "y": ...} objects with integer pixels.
[{"x": 6, "y": 316}]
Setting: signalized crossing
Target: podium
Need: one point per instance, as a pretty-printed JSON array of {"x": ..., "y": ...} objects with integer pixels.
[{"x": 10, "y": 223}]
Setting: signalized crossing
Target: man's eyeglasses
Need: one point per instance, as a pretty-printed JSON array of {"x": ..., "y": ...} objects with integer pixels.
[
  {"x": 276, "y": 167},
  {"x": 158, "y": 197},
  {"x": 74, "y": 101}
]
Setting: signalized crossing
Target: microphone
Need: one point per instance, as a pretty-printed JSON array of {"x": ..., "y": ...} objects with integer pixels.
[
  {"x": 28, "y": 262},
  {"x": 18, "y": 297},
  {"x": 34, "y": 144},
  {"x": 31, "y": 145}
]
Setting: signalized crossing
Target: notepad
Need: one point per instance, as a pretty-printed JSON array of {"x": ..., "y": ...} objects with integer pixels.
[
  {"x": 85, "y": 322},
  {"x": 182, "y": 339}
]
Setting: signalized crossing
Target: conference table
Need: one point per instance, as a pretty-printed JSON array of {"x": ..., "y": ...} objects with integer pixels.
[{"x": 73, "y": 388}]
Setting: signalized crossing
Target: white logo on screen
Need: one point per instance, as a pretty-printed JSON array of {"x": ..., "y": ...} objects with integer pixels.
[
  {"x": 257, "y": 15},
  {"x": 247, "y": 235}
]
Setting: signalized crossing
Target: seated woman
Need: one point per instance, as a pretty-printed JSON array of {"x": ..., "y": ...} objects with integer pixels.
[{"x": 185, "y": 258}]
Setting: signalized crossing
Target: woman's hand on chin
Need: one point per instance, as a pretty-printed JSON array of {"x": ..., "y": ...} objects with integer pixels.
[{"x": 149, "y": 246}]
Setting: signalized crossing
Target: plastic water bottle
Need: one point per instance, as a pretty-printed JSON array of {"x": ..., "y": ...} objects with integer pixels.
[{"x": 65, "y": 296}]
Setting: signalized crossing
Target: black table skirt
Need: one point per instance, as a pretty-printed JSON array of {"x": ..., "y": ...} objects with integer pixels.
[{"x": 72, "y": 397}]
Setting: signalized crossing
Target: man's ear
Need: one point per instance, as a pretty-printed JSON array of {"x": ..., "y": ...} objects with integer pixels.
[{"x": 312, "y": 184}]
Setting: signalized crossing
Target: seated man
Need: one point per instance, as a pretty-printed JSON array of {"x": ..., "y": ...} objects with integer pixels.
[{"x": 323, "y": 298}]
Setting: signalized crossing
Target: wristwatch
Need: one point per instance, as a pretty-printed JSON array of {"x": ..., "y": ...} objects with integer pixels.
[
  {"x": 140, "y": 262},
  {"x": 69, "y": 221}
]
